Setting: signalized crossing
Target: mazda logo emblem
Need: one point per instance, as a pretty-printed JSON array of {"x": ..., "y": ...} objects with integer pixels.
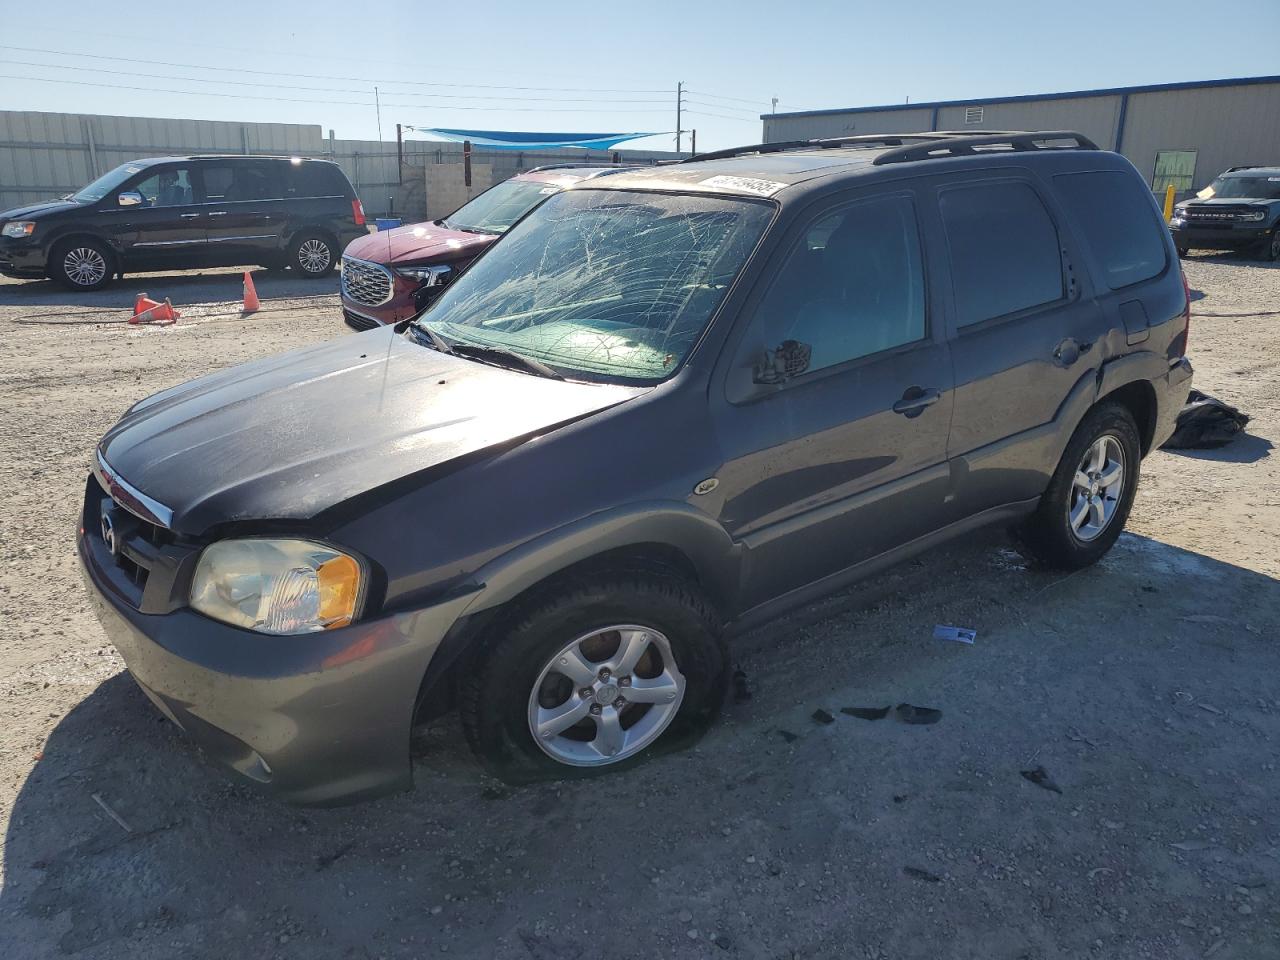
[{"x": 109, "y": 533}]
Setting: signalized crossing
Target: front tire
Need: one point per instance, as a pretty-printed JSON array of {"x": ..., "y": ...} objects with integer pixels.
[
  {"x": 1183, "y": 251},
  {"x": 595, "y": 678},
  {"x": 1269, "y": 249},
  {"x": 1091, "y": 493},
  {"x": 312, "y": 255},
  {"x": 82, "y": 265}
]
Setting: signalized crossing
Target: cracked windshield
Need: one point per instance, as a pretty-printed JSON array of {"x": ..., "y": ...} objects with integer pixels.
[{"x": 604, "y": 284}]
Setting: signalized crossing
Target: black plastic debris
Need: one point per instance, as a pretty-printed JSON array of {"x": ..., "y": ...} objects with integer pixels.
[
  {"x": 741, "y": 691},
  {"x": 1206, "y": 422},
  {"x": 920, "y": 874},
  {"x": 1040, "y": 777},
  {"x": 917, "y": 715},
  {"x": 788, "y": 736},
  {"x": 866, "y": 713},
  {"x": 821, "y": 716}
]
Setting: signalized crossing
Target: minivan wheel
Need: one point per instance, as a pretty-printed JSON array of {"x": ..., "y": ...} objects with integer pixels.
[
  {"x": 595, "y": 678},
  {"x": 1088, "y": 500},
  {"x": 82, "y": 264},
  {"x": 312, "y": 256}
]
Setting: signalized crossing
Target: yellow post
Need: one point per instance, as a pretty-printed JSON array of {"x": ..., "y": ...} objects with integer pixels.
[{"x": 1168, "y": 203}]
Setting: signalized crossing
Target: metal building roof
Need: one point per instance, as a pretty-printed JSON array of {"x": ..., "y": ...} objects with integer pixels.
[{"x": 1023, "y": 98}]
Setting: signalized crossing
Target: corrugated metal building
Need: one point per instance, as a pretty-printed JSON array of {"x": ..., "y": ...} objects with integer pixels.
[{"x": 1179, "y": 133}]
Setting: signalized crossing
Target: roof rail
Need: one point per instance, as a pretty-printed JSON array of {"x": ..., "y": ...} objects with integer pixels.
[
  {"x": 951, "y": 145},
  {"x": 570, "y": 166},
  {"x": 870, "y": 139}
]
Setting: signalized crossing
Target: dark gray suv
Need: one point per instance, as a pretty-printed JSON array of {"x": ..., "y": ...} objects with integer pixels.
[{"x": 668, "y": 405}]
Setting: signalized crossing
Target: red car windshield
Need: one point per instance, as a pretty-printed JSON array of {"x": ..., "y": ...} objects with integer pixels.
[{"x": 498, "y": 208}]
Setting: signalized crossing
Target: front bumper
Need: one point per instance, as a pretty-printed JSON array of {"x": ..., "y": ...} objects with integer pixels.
[
  {"x": 22, "y": 257},
  {"x": 1218, "y": 238},
  {"x": 320, "y": 718}
]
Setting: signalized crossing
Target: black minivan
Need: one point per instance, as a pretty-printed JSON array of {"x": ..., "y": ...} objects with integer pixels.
[{"x": 184, "y": 212}]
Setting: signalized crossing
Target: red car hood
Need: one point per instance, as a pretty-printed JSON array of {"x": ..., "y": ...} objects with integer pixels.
[{"x": 418, "y": 243}]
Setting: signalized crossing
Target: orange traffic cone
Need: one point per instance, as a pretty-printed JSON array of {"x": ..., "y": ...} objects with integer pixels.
[
  {"x": 251, "y": 304},
  {"x": 149, "y": 311}
]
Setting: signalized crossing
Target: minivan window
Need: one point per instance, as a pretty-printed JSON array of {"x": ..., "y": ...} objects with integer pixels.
[
  {"x": 316, "y": 178},
  {"x": 1115, "y": 214},
  {"x": 171, "y": 187},
  {"x": 604, "y": 284},
  {"x": 231, "y": 182},
  {"x": 108, "y": 182},
  {"x": 852, "y": 287},
  {"x": 1005, "y": 254},
  {"x": 495, "y": 210}
]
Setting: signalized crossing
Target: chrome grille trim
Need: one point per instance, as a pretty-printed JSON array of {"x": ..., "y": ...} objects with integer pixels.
[
  {"x": 131, "y": 498},
  {"x": 366, "y": 282}
]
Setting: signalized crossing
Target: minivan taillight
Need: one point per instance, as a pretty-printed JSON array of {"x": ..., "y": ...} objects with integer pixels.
[{"x": 357, "y": 212}]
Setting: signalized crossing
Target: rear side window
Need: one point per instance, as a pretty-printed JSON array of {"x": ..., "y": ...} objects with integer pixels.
[
  {"x": 1005, "y": 254},
  {"x": 1115, "y": 216},
  {"x": 235, "y": 181},
  {"x": 316, "y": 179}
]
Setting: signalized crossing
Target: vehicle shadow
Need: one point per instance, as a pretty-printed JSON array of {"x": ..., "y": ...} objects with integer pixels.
[
  {"x": 213, "y": 284},
  {"x": 1245, "y": 448},
  {"x": 1084, "y": 673}
]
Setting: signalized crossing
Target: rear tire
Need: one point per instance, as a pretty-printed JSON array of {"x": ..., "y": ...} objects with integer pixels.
[
  {"x": 82, "y": 265},
  {"x": 515, "y": 682},
  {"x": 312, "y": 255},
  {"x": 1072, "y": 529}
]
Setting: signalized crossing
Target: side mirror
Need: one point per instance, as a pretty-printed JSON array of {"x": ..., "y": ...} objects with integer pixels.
[
  {"x": 790, "y": 359},
  {"x": 129, "y": 198}
]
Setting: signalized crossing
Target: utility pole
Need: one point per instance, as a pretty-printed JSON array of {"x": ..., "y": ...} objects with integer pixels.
[
  {"x": 679, "y": 110},
  {"x": 378, "y": 105},
  {"x": 693, "y": 144}
]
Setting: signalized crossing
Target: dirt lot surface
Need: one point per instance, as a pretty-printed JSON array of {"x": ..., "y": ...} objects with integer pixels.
[{"x": 1146, "y": 688}]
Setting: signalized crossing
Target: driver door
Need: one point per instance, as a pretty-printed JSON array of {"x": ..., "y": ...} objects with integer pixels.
[
  {"x": 839, "y": 455},
  {"x": 168, "y": 225}
]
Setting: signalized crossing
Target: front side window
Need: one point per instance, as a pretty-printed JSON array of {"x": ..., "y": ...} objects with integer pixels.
[
  {"x": 1005, "y": 254},
  {"x": 170, "y": 187},
  {"x": 1176, "y": 167},
  {"x": 853, "y": 286},
  {"x": 1114, "y": 213},
  {"x": 106, "y": 183},
  {"x": 495, "y": 210},
  {"x": 604, "y": 284}
]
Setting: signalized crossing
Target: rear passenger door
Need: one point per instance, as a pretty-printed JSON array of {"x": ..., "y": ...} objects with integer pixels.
[
  {"x": 244, "y": 203},
  {"x": 1023, "y": 334},
  {"x": 837, "y": 400}
]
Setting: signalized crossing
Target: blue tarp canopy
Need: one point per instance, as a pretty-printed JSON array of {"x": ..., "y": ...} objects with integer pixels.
[{"x": 521, "y": 140}]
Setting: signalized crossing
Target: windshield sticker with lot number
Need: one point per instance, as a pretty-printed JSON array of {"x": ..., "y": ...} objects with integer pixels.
[{"x": 761, "y": 188}]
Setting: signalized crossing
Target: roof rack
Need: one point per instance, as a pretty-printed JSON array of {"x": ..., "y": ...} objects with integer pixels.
[
  {"x": 963, "y": 146},
  {"x": 869, "y": 139},
  {"x": 569, "y": 166}
]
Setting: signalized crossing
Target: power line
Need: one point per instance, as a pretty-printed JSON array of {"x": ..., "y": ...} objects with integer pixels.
[
  {"x": 717, "y": 96},
  {"x": 722, "y": 116},
  {"x": 348, "y": 103},
  {"x": 285, "y": 86},
  {"x": 717, "y": 106},
  {"x": 311, "y": 76}
]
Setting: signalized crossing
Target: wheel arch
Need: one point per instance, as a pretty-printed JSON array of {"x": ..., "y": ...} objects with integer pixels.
[
  {"x": 668, "y": 539},
  {"x": 74, "y": 234}
]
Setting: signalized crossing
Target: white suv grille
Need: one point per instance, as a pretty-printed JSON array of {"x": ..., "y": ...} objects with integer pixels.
[{"x": 364, "y": 282}]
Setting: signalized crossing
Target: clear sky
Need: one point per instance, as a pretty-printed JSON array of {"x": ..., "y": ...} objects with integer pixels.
[{"x": 599, "y": 67}]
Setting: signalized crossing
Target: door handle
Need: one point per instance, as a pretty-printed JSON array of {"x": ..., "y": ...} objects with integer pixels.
[
  {"x": 218, "y": 213},
  {"x": 915, "y": 400},
  {"x": 189, "y": 216}
]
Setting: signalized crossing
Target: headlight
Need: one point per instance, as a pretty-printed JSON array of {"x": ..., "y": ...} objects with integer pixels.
[
  {"x": 430, "y": 276},
  {"x": 277, "y": 586},
  {"x": 19, "y": 228},
  {"x": 1254, "y": 215}
]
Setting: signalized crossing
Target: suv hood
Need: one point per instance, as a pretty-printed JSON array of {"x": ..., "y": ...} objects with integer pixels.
[
  {"x": 419, "y": 243},
  {"x": 289, "y": 436},
  {"x": 42, "y": 209},
  {"x": 1230, "y": 202}
]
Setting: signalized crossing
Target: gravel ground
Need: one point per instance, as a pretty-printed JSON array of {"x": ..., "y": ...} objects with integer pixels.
[{"x": 1145, "y": 688}]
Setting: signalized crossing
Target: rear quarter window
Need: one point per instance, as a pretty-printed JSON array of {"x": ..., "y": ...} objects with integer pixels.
[
  {"x": 1115, "y": 215},
  {"x": 317, "y": 179}
]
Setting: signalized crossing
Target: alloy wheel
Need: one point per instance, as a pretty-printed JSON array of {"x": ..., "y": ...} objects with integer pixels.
[
  {"x": 605, "y": 696},
  {"x": 1096, "y": 488},
  {"x": 314, "y": 256},
  {"x": 84, "y": 266}
]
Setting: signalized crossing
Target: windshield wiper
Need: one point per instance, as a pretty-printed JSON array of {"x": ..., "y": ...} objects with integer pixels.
[
  {"x": 434, "y": 340},
  {"x": 502, "y": 357}
]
